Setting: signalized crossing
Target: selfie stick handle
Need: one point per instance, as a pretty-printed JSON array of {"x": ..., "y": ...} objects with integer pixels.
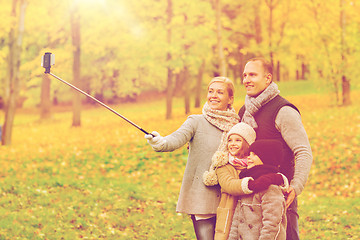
[{"x": 99, "y": 102}]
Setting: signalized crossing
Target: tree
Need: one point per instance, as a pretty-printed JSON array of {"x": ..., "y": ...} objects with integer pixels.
[
  {"x": 76, "y": 43},
  {"x": 219, "y": 46},
  {"x": 45, "y": 101},
  {"x": 169, "y": 85},
  {"x": 199, "y": 78},
  {"x": 331, "y": 35},
  {"x": 47, "y": 39},
  {"x": 346, "y": 99},
  {"x": 127, "y": 47},
  {"x": 15, "y": 44}
]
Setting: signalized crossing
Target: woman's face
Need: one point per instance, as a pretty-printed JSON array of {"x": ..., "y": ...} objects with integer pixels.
[
  {"x": 235, "y": 143},
  {"x": 218, "y": 96},
  {"x": 253, "y": 160}
]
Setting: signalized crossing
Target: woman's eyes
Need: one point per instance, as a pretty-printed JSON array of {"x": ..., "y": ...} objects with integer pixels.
[{"x": 217, "y": 91}]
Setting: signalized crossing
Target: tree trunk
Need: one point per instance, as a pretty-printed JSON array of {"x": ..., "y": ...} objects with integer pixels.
[
  {"x": 186, "y": 88},
  {"x": 169, "y": 90},
  {"x": 12, "y": 90},
  {"x": 234, "y": 70},
  {"x": 257, "y": 23},
  {"x": 199, "y": 84},
  {"x": 10, "y": 108},
  {"x": 178, "y": 84},
  {"x": 221, "y": 56},
  {"x": 169, "y": 93},
  {"x": 241, "y": 65},
  {"x": 271, "y": 8},
  {"x": 76, "y": 42},
  {"x": 45, "y": 102},
  {"x": 303, "y": 71},
  {"x": 332, "y": 76},
  {"x": 346, "y": 98},
  {"x": 185, "y": 73}
]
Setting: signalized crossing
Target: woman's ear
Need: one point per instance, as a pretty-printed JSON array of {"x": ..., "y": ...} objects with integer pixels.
[{"x": 231, "y": 101}]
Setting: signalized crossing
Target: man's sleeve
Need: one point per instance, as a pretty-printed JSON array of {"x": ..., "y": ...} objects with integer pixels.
[{"x": 289, "y": 124}]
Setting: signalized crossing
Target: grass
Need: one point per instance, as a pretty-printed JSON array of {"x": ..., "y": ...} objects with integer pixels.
[
  {"x": 103, "y": 181},
  {"x": 329, "y": 218}
]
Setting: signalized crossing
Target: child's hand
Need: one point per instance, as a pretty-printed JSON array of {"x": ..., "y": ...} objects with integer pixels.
[{"x": 263, "y": 182}]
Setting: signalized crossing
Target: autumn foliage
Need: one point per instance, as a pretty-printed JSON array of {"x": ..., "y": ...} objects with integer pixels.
[{"x": 103, "y": 181}]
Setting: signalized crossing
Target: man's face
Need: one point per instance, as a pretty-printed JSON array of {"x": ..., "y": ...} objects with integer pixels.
[{"x": 255, "y": 80}]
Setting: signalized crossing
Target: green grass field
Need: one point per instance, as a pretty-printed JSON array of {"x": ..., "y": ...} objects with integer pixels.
[{"x": 103, "y": 181}]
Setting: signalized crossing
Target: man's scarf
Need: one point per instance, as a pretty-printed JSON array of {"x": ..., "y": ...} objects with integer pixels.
[{"x": 253, "y": 104}]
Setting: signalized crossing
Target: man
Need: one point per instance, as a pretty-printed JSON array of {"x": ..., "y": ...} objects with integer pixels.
[{"x": 273, "y": 117}]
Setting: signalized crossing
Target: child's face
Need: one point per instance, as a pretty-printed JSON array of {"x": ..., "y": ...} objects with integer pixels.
[
  {"x": 253, "y": 160},
  {"x": 235, "y": 143}
]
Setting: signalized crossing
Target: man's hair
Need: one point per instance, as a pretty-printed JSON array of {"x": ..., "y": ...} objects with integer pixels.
[{"x": 265, "y": 63}]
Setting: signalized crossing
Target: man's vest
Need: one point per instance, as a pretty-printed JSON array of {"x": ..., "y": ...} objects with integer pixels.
[{"x": 265, "y": 119}]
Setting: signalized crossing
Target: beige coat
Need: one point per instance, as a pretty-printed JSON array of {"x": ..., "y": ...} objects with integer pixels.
[
  {"x": 231, "y": 188},
  {"x": 204, "y": 139}
]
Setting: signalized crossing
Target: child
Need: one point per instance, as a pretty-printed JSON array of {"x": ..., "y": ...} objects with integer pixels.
[
  {"x": 262, "y": 215},
  {"x": 225, "y": 170}
]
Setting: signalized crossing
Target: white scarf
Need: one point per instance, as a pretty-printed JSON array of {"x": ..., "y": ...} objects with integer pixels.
[{"x": 223, "y": 120}]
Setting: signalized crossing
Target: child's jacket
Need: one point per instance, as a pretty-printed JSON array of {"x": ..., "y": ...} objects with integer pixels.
[
  {"x": 260, "y": 216},
  {"x": 231, "y": 188}
]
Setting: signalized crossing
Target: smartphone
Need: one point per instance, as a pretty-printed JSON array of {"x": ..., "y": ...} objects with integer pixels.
[{"x": 47, "y": 61}]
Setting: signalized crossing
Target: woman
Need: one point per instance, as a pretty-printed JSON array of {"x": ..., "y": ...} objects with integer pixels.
[{"x": 204, "y": 133}]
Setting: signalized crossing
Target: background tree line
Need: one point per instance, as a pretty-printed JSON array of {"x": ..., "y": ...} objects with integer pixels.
[{"x": 117, "y": 49}]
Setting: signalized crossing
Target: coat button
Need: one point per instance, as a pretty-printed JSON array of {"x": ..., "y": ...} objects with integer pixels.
[
  {"x": 250, "y": 226},
  {"x": 241, "y": 220}
]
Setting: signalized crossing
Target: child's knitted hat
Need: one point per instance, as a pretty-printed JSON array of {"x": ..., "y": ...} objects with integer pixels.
[
  {"x": 244, "y": 130},
  {"x": 269, "y": 151}
]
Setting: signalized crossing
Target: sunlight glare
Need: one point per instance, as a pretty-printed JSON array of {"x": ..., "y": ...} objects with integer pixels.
[{"x": 102, "y": 2}]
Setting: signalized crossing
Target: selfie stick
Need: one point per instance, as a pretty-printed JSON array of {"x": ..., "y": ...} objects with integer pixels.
[{"x": 49, "y": 59}]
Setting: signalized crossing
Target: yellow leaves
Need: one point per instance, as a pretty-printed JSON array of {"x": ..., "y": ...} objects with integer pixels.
[
  {"x": 334, "y": 136},
  {"x": 102, "y": 179},
  {"x": 328, "y": 218}
]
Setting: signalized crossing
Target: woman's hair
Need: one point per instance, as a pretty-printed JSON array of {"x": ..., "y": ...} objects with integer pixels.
[
  {"x": 229, "y": 84},
  {"x": 244, "y": 150}
]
